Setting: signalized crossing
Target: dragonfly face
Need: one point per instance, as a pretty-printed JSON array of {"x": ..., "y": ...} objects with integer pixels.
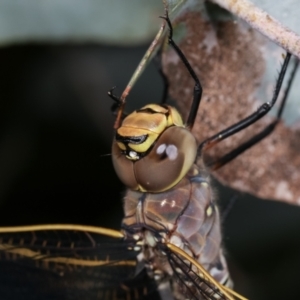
[{"x": 152, "y": 150}]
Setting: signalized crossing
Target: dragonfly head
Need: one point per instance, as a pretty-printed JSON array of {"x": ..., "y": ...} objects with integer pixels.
[{"x": 152, "y": 149}]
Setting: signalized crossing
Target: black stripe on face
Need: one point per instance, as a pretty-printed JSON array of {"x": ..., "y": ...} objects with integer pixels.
[{"x": 132, "y": 139}]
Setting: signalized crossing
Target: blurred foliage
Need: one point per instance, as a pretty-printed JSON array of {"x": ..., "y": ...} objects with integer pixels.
[{"x": 106, "y": 21}]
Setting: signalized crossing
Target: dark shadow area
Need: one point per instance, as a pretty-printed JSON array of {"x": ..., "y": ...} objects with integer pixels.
[{"x": 56, "y": 132}]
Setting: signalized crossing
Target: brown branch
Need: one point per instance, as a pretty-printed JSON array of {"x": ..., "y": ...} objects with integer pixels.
[{"x": 263, "y": 22}]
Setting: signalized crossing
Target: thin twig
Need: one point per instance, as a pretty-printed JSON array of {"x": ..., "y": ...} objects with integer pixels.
[{"x": 146, "y": 59}]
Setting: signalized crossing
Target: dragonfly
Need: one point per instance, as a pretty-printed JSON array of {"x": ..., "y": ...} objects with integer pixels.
[{"x": 169, "y": 246}]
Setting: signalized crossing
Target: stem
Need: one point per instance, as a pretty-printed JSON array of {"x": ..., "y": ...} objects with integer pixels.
[{"x": 264, "y": 23}]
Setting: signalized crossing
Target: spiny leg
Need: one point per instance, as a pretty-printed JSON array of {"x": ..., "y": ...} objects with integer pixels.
[
  {"x": 197, "y": 88},
  {"x": 158, "y": 63},
  {"x": 244, "y": 123},
  {"x": 117, "y": 102},
  {"x": 259, "y": 136}
]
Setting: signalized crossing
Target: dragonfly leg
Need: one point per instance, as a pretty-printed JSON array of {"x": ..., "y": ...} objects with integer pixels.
[
  {"x": 264, "y": 133},
  {"x": 197, "y": 88}
]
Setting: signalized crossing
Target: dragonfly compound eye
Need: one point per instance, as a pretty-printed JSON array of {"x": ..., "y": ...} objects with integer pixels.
[{"x": 153, "y": 150}]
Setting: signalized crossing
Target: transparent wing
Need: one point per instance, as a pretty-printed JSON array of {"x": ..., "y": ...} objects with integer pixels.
[
  {"x": 70, "y": 265},
  {"x": 193, "y": 281}
]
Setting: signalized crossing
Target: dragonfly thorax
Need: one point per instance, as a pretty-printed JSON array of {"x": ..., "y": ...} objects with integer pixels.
[
  {"x": 185, "y": 216},
  {"x": 152, "y": 150}
]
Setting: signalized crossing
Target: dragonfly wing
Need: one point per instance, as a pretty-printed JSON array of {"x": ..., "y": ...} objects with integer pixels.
[
  {"x": 63, "y": 265},
  {"x": 193, "y": 282}
]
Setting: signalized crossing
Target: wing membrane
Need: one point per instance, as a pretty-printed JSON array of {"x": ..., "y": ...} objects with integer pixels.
[
  {"x": 193, "y": 280},
  {"x": 78, "y": 264},
  {"x": 67, "y": 264}
]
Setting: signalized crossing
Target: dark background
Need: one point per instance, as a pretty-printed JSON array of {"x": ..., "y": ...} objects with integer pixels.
[{"x": 55, "y": 164}]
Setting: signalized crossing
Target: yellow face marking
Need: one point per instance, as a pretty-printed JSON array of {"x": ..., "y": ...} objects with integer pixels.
[
  {"x": 121, "y": 146},
  {"x": 151, "y": 124}
]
